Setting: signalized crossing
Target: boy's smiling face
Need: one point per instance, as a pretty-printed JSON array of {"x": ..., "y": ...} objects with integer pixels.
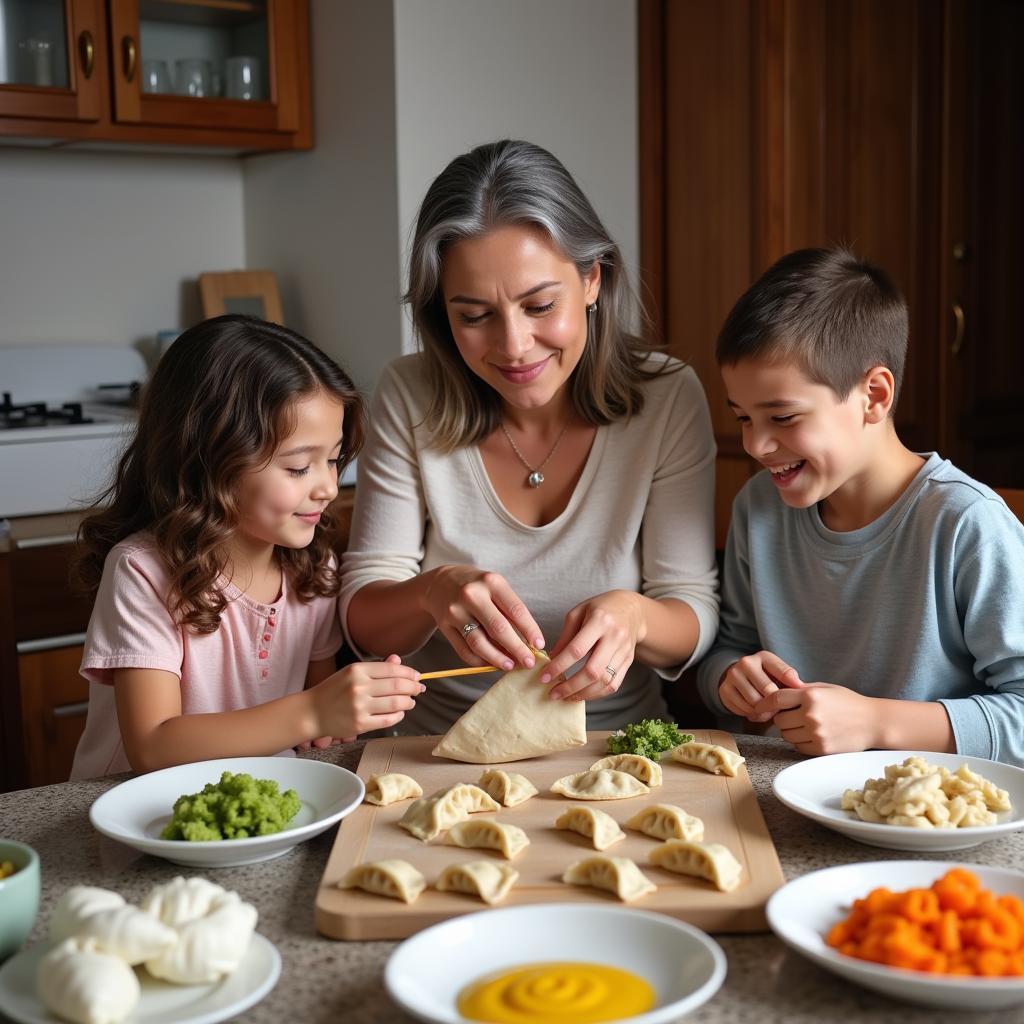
[{"x": 812, "y": 443}]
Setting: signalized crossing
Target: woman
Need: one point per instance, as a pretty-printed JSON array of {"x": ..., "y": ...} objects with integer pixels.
[{"x": 535, "y": 474}]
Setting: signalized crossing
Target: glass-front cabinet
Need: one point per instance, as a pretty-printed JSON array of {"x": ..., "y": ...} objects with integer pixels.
[
  {"x": 196, "y": 72},
  {"x": 49, "y": 52}
]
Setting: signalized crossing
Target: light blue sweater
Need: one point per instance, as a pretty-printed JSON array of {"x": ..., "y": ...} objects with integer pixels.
[{"x": 925, "y": 603}]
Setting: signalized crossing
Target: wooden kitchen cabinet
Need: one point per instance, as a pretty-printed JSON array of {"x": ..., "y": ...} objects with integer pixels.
[
  {"x": 771, "y": 125},
  {"x": 111, "y": 68}
]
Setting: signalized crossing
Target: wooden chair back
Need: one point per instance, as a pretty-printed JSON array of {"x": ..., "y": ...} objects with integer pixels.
[{"x": 1014, "y": 500}]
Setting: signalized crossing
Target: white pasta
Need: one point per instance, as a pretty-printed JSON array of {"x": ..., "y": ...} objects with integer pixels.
[
  {"x": 484, "y": 878},
  {"x": 600, "y": 828},
  {"x": 508, "y": 788},
  {"x": 645, "y": 769},
  {"x": 713, "y": 861},
  {"x": 918, "y": 794},
  {"x": 666, "y": 821},
  {"x": 709, "y": 756},
  {"x": 390, "y": 788},
  {"x": 619, "y": 875},
  {"x": 603, "y": 784},
  {"x": 75, "y": 905},
  {"x": 510, "y": 840},
  {"x": 182, "y": 899},
  {"x": 395, "y": 878},
  {"x": 128, "y": 933}
]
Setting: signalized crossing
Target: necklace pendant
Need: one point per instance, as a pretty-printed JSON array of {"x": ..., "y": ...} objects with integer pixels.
[{"x": 536, "y": 478}]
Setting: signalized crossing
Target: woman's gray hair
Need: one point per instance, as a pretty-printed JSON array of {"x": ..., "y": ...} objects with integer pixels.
[{"x": 517, "y": 183}]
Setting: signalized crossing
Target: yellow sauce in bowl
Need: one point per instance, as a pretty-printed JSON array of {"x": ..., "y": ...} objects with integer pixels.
[{"x": 556, "y": 993}]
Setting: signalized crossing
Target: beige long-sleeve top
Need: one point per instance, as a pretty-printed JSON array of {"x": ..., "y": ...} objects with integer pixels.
[{"x": 641, "y": 518}]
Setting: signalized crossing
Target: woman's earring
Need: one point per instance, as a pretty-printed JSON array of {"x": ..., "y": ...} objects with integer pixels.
[{"x": 592, "y": 308}]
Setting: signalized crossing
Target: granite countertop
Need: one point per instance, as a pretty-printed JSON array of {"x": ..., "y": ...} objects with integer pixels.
[{"x": 326, "y": 980}]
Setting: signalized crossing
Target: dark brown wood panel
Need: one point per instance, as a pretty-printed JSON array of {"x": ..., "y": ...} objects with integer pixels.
[{"x": 53, "y": 698}]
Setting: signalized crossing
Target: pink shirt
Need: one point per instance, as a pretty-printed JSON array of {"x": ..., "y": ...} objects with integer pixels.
[{"x": 260, "y": 652}]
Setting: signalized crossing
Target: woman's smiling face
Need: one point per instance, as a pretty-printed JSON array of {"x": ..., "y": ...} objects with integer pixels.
[{"x": 518, "y": 312}]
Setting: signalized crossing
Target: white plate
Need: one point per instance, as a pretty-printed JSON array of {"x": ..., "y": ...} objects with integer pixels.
[
  {"x": 802, "y": 912},
  {"x": 814, "y": 788},
  {"x": 135, "y": 811},
  {"x": 159, "y": 1002},
  {"x": 428, "y": 971}
]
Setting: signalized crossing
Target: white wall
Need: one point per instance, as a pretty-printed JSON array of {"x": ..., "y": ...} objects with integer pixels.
[
  {"x": 560, "y": 73},
  {"x": 325, "y": 221},
  {"x": 99, "y": 246}
]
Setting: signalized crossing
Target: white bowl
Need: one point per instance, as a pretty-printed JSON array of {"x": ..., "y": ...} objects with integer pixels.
[
  {"x": 136, "y": 811},
  {"x": 426, "y": 973},
  {"x": 814, "y": 788},
  {"x": 802, "y": 912}
]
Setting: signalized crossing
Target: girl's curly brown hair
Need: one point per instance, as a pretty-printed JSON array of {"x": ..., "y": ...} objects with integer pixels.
[{"x": 218, "y": 405}]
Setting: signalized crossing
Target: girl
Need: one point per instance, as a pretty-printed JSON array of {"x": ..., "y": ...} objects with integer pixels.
[{"x": 215, "y": 627}]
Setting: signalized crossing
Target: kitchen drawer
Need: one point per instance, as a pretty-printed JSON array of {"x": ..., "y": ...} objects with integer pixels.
[
  {"x": 46, "y": 603},
  {"x": 54, "y": 699}
]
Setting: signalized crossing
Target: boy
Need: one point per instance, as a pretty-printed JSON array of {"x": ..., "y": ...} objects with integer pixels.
[{"x": 872, "y": 597}]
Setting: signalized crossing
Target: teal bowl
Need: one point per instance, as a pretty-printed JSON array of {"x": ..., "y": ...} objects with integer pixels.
[{"x": 19, "y": 896}]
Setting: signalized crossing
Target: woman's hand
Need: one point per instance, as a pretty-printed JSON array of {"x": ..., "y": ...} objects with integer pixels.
[
  {"x": 605, "y": 630},
  {"x": 461, "y": 594}
]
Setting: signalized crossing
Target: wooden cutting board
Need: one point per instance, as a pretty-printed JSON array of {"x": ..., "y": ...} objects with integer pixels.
[{"x": 726, "y": 805}]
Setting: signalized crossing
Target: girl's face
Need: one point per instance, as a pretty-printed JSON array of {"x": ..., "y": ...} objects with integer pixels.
[
  {"x": 518, "y": 312},
  {"x": 282, "y": 502}
]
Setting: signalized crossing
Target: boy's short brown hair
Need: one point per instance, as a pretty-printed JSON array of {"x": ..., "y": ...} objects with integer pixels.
[{"x": 832, "y": 313}]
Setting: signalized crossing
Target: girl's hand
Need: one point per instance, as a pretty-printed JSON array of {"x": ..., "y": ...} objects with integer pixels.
[
  {"x": 825, "y": 718},
  {"x": 605, "y": 630},
  {"x": 748, "y": 681},
  {"x": 364, "y": 696},
  {"x": 461, "y": 594},
  {"x": 322, "y": 742}
]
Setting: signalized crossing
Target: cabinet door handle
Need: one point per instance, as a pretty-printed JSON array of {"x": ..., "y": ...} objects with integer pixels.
[
  {"x": 960, "y": 320},
  {"x": 50, "y": 643},
  {"x": 130, "y": 54},
  {"x": 71, "y": 710},
  {"x": 86, "y": 52}
]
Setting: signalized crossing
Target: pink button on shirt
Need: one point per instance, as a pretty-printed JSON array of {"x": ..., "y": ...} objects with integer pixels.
[{"x": 232, "y": 668}]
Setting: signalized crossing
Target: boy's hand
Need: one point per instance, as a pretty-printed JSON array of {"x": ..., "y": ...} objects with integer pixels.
[
  {"x": 364, "y": 696},
  {"x": 824, "y": 718},
  {"x": 747, "y": 682}
]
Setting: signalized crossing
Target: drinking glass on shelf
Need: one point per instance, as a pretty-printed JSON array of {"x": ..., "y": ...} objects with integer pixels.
[
  {"x": 156, "y": 78},
  {"x": 193, "y": 76},
  {"x": 243, "y": 78}
]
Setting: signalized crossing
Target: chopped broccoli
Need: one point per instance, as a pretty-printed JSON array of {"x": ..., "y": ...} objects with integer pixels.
[
  {"x": 237, "y": 807},
  {"x": 649, "y": 738}
]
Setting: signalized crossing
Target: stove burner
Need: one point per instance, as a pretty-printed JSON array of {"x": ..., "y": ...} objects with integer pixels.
[{"x": 38, "y": 414}]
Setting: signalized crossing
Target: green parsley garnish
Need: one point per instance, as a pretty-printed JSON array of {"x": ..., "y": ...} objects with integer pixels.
[{"x": 649, "y": 738}]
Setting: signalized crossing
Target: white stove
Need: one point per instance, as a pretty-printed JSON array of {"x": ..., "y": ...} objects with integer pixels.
[{"x": 66, "y": 413}]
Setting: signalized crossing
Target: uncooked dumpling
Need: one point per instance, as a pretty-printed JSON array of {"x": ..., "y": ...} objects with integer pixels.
[
  {"x": 75, "y": 905},
  {"x": 81, "y": 984},
  {"x": 514, "y": 719},
  {"x": 395, "y": 878},
  {"x": 390, "y": 788},
  {"x": 619, "y": 875},
  {"x": 484, "y": 878},
  {"x": 600, "y": 828},
  {"x": 642, "y": 768},
  {"x": 666, "y": 821},
  {"x": 508, "y": 788},
  {"x": 182, "y": 899},
  {"x": 603, "y": 784},
  {"x": 712, "y": 861},
  {"x": 510, "y": 840},
  {"x": 431, "y": 815},
  {"x": 128, "y": 933},
  {"x": 210, "y": 946},
  {"x": 709, "y": 756}
]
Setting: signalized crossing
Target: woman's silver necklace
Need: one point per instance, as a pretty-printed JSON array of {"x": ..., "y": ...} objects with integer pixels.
[{"x": 536, "y": 477}]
